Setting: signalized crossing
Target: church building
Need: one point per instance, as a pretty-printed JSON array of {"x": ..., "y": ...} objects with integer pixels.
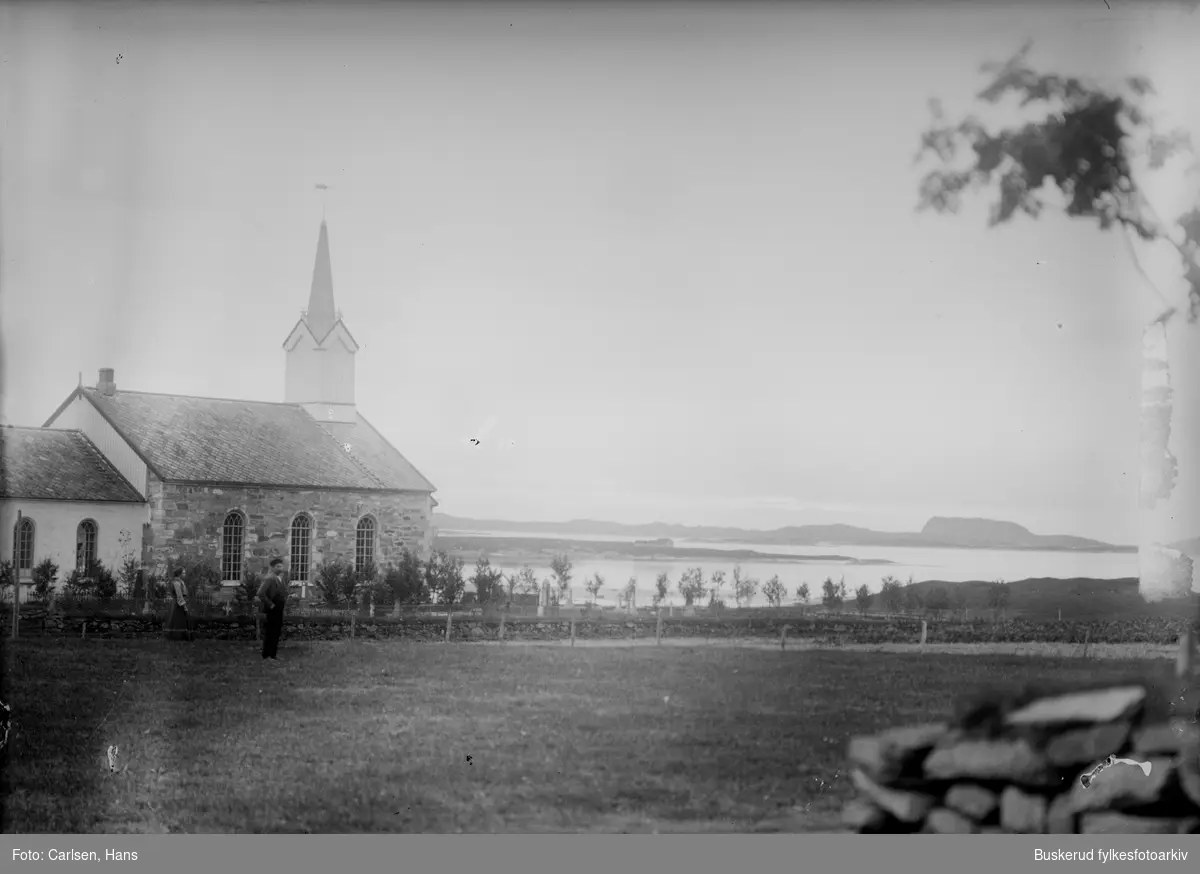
[{"x": 232, "y": 483}]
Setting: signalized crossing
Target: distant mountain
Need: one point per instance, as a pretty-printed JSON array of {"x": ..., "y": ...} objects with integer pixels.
[{"x": 940, "y": 531}]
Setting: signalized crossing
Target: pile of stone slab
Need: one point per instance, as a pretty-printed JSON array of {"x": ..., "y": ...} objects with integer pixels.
[{"x": 1091, "y": 762}]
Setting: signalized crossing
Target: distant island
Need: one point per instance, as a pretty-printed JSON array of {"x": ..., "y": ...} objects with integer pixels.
[{"x": 945, "y": 532}]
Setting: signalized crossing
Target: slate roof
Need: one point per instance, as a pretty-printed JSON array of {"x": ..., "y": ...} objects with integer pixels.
[
  {"x": 57, "y": 465},
  {"x": 217, "y": 440}
]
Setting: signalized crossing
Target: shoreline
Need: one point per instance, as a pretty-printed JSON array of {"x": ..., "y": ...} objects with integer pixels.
[{"x": 535, "y": 550}]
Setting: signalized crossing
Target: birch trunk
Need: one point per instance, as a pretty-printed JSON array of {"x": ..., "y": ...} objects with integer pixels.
[{"x": 1163, "y": 572}]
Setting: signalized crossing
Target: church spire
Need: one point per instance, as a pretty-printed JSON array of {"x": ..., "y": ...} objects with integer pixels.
[{"x": 321, "y": 314}]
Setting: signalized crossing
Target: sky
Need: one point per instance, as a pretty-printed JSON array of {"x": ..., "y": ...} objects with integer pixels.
[{"x": 662, "y": 260}]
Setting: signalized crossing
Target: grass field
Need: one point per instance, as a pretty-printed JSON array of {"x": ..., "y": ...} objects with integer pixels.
[{"x": 400, "y": 737}]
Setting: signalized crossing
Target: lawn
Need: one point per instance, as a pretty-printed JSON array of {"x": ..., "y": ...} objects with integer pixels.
[{"x": 401, "y": 737}]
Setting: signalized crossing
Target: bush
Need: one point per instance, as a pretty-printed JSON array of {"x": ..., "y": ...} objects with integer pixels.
[
  {"x": 156, "y": 587},
  {"x": 201, "y": 580},
  {"x": 45, "y": 575},
  {"x": 444, "y": 578},
  {"x": 337, "y": 582},
  {"x": 247, "y": 589},
  {"x": 128, "y": 576},
  {"x": 96, "y": 581},
  {"x": 406, "y": 581},
  {"x": 129, "y": 571}
]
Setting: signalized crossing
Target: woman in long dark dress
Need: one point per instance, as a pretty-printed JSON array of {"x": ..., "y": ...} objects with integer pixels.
[{"x": 178, "y": 624}]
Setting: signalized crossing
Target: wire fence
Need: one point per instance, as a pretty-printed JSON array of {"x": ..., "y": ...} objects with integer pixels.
[{"x": 229, "y": 603}]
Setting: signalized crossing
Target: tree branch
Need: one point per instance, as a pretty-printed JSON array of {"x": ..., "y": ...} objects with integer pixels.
[{"x": 1168, "y": 308}]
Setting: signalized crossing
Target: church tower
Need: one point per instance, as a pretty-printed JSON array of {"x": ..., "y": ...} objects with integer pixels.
[{"x": 320, "y": 351}]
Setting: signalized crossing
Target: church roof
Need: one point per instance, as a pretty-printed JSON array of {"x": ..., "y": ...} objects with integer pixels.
[
  {"x": 43, "y": 464},
  {"x": 234, "y": 442}
]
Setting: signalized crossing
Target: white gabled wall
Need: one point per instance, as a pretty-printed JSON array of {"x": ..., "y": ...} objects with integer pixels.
[
  {"x": 56, "y": 524},
  {"x": 81, "y": 415}
]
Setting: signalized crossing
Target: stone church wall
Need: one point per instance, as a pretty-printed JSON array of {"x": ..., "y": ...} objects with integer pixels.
[{"x": 186, "y": 523}]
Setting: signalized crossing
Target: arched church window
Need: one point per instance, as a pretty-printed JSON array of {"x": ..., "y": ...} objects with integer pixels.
[
  {"x": 233, "y": 546},
  {"x": 301, "y": 549},
  {"x": 364, "y": 544},
  {"x": 85, "y": 545},
  {"x": 23, "y": 537}
]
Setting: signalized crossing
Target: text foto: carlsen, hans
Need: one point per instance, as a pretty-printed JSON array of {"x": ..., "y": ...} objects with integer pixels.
[{"x": 56, "y": 855}]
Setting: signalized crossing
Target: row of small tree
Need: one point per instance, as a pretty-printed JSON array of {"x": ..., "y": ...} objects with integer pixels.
[
  {"x": 894, "y": 596},
  {"x": 440, "y": 580},
  {"x": 95, "y": 581}
]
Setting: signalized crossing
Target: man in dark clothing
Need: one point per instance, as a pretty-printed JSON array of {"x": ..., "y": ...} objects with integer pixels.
[{"x": 272, "y": 596}]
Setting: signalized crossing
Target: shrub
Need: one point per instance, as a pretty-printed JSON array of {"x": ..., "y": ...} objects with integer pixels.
[
  {"x": 406, "y": 581},
  {"x": 775, "y": 592},
  {"x": 444, "y": 579},
  {"x": 247, "y": 589},
  {"x": 629, "y": 593},
  {"x": 488, "y": 582},
  {"x": 106, "y": 583},
  {"x": 128, "y": 572},
  {"x": 560, "y": 566},
  {"x": 833, "y": 595},
  {"x": 336, "y": 581},
  {"x": 891, "y": 594},
  {"x": 863, "y": 598},
  {"x": 744, "y": 588},
  {"x": 593, "y": 587},
  {"x": 45, "y": 575},
  {"x": 525, "y": 582},
  {"x": 717, "y": 581},
  {"x": 156, "y": 587},
  {"x": 201, "y": 580},
  {"x": 94, "y": 582},
  {"x": 691, "y": 586},
  {"x": 660, "y": 589}
]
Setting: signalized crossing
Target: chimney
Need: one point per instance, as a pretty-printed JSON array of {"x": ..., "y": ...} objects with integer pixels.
[{"x": 107, "y": 385}]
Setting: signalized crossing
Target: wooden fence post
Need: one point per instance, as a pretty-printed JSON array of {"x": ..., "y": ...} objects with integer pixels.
[
  {"x": 658, "y": 631},
  {"x": 353, "y": 622},
  {"x": 449, "y": 621},
  {"x": 83, "y": 629},
  {"x": 503, "y": 617},
  {"x": 16, "y": 586},
  {"x": 783, "y": 638},
  {"x": 924, "y": 631},
  {"x": 572, "y": 632},
  {"x": 1183, "y": 662}
]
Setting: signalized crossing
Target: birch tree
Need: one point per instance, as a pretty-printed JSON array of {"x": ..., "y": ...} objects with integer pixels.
[{"x": 1086, "y": 149}]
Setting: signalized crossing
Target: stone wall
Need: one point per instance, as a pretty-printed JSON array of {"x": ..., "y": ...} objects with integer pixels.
[
  {"x": 1030, "y": 766},
  {"x": 186, "y": 523},
  {"x": 37, "y": 621},
  {"x": 819, "y": 630}
]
